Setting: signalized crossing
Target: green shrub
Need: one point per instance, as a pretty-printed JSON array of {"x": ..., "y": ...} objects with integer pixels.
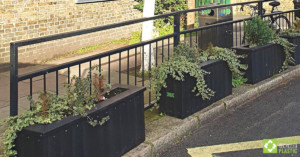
[
  {"x": 258, "y": 32},
  {"x": 164, "y": 25}
]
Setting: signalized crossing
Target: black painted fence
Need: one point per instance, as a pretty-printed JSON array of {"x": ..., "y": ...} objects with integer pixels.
[{"x": 162, "y": 50}]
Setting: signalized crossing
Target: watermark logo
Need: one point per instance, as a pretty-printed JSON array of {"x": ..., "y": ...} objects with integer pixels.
[
  {"x": 280, "y": 146},
  {"x": 270, "y": 146}
]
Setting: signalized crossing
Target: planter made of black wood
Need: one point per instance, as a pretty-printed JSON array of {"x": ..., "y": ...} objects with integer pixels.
[
  {"x": 263, "y": 61},
  {"x": 295, "y": 40},
  {"x": 179, "y": 101},
  {"x": 74, "y": 137}
]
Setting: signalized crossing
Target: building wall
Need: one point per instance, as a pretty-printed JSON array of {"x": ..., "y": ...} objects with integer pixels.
[{"x": 27, "y": 19}]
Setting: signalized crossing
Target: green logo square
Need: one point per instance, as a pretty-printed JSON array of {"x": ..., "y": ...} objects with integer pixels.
[
  {"x": 170, "y": 95},
  {"x": 270, "y": 146}
]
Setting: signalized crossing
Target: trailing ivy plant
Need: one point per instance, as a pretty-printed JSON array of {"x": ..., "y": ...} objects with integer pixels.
[
  {"x": 50, "y": 108},
  {"x": 215, "y": 53},
  {"x": 232, "y": 59},
  {"x": 288, "y": 49},
  {"x": 186, "y": 60},
  {"x": 177, "y": 67},
  {"x": 258, "y": 32}
]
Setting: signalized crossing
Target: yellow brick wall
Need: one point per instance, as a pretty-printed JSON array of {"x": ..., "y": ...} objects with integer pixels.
[{"x": 27, "y": 19}]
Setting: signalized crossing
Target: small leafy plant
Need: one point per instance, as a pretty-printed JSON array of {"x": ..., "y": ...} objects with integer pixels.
[
  {"x": 258, "y": 32},
  {"x": 81, "y": 96},
  {"x": 238, "y": 80},
  {"x": 294, "y": 30}
]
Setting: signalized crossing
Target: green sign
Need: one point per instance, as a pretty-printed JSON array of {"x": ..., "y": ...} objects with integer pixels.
[
  {"x": 270, "y": 146},
  {"x": 170, "y": 95}
]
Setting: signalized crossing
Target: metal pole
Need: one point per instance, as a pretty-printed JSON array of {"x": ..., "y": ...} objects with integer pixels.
[
  {"x": 297, "y": 6},
  {"x": 260, "y": 9},
  {"x": 176, "y": 29},
  {"x": 13, "y": 79}
]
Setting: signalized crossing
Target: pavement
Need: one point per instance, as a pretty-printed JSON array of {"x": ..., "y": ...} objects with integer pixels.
[
  {"x": 163, "y": 134},
  {"x": 274, "y": 114}
]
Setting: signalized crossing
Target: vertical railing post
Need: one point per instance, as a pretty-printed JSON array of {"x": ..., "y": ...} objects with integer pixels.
[
  {"x": 13, "y": 79},
  {"x": 176, "y": 29},
  {"x": 260, "y": 9}
]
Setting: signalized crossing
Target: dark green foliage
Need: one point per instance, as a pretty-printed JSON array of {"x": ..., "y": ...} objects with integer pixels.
[{"x": 258, "y": 32}]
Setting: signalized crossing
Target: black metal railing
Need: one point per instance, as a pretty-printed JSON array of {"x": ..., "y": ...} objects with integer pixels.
[{"x": 163, "y": 48}]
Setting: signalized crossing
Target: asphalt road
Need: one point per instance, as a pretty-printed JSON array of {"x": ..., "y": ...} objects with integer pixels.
[{"x": 274, "y": 114}]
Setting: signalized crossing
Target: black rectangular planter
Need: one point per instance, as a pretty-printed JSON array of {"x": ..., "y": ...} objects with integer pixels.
[
  {"x": 263, "y": 61},
  {"x": 74, "y": 137},
  {"x": 179, "y": 101},
  {"x": 295, "y": 40}
]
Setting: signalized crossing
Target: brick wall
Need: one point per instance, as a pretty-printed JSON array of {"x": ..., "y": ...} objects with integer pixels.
[
  {"x": 284, "y": 6},
  {"x": 27, "y": 19}
]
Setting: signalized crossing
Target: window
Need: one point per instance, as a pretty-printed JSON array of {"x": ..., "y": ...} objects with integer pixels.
[{"x": 88, "y": 1}]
